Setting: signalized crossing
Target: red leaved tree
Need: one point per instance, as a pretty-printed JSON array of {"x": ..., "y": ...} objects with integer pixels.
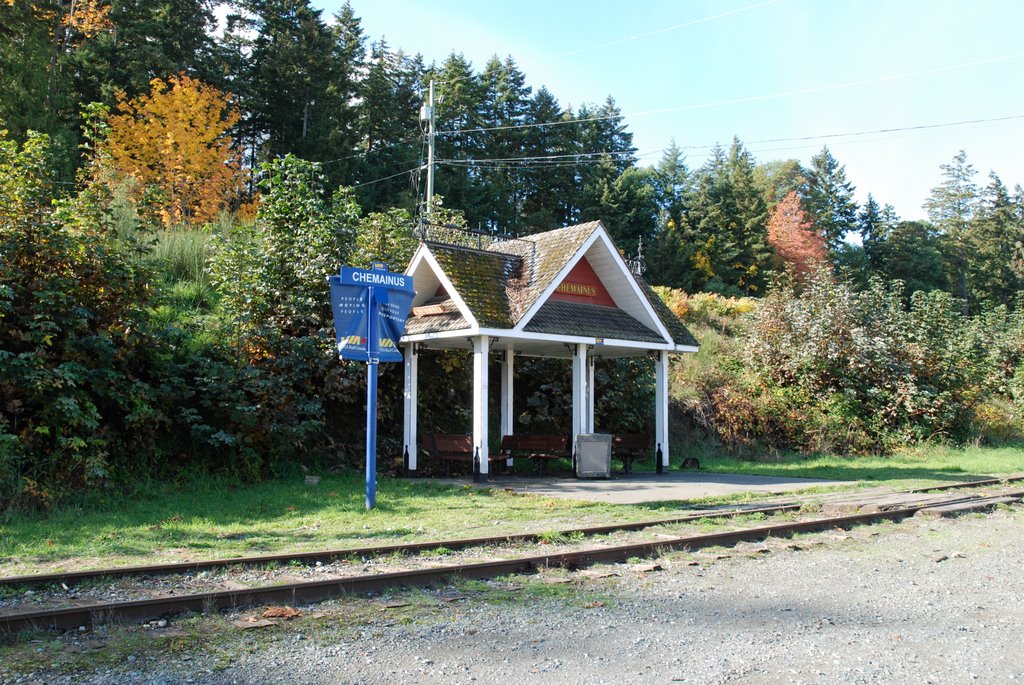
[{"x": 797, "y": 244}]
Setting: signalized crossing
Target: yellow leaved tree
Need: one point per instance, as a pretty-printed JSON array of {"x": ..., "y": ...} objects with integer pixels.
[{"x": 174, "y": 143}]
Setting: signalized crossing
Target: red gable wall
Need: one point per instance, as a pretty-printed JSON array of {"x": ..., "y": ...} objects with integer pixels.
[{"x": 582, "y": 285}]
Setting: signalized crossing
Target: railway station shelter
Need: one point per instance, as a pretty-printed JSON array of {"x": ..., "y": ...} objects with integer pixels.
[{"x": 564, "y": 293}]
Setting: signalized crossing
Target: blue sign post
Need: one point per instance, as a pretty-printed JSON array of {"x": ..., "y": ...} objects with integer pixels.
[{"x": 370, "y": 306}]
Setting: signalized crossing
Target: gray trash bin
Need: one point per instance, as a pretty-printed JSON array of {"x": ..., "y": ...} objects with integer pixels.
[{"x": 593, "y": 455}]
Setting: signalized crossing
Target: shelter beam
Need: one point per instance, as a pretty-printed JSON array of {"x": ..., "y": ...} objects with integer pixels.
[
  {"x": 410, "y": 400},
  {"x": 507, "y": 409},
  {"x": 481, "y": 348},
  {"x": 580, "y": 402},
  {"x": 661, "y": 409},
  {"x": 591, "y": 395}
]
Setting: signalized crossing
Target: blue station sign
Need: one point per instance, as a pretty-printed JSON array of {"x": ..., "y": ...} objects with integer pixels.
[
  {"x": 370, "y": 306},
  {"x": 350, "y": 302}
]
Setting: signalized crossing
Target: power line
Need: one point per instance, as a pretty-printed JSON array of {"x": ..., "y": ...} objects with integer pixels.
[
  {"x": 667, "y": 29},
  {"x": 743, "y": 100},
  {"x": 825, "y": 136},
  {"x": 371, "y": 150},
  {"x": 567, "y": 155},
  {"x": 834, "y": 86},
  {"x": 386, "y": 178},
  {"x": 587, "y": 157}
]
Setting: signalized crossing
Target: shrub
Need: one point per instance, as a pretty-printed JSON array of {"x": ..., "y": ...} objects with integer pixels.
[{"x": 904, "y": 373}]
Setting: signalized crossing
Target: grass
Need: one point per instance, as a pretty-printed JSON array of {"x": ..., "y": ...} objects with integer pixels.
[
  {"x": 212, "y": 519},
  {"x": 209, "y": 518},
  {"x": 902, "y": 469}
]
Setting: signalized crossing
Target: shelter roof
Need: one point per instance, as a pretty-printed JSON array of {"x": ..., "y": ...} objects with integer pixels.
[
  {"x": 507, "y": 287},
  {"x": 482, "y": 280},
  {"x": 590, "y": 320}
]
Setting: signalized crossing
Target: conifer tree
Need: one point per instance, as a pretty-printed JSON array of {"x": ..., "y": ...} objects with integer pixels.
[
  {"x": 548, "y": 180},
  {"x": 828, "y": 197},
  {"x": 712, "y": 227},
  {"x": 286, "y": 86},
  {"x": 750, "y": 223},
  {"x": 951, "y": 207},
  {"x": 388, "y": 123},
  {"x": 668, "y": 258},
  {"x": 504, "y": 110},
  {"x": 994, "y": 233},
  {"x": 458, "y": 96},
  {"x": 871, "y": 229}
]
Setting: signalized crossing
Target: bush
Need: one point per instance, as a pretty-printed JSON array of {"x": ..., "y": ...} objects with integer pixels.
[
  {"x": 833, "y": 369},
  {"x": 905, "y": 374}
]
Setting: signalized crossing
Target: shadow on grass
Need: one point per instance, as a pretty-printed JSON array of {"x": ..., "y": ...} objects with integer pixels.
[{"x": 218, "y": 514}]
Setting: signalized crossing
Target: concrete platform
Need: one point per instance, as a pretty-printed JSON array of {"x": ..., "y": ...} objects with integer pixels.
[{"x": 651, "y": 487}]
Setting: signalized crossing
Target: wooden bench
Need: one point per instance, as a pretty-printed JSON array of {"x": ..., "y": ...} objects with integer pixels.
[
  {"x": 453, "y": 447},
  {"x": 630, "y": 446},
  {"x": 541, "y": 448}
]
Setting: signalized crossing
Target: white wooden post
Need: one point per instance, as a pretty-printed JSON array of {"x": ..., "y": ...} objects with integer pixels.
[
  {"x": 481, "y": 348},
  {"x": 411, "y": 361},
  {"x": 507, "y": 409},
  {"x": 579, "y": 391},
  {"x": 591, "y": 388},
  {"x": 661, "y": 407}
]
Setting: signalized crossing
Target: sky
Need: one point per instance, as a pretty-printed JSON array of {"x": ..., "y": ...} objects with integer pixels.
[{"x": 779, "y": 74}]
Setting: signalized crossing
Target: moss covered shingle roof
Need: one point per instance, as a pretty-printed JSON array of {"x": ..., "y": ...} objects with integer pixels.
[
  {"x": 501, "y": 283},
  {"x": 481, "y": 280},
  {"x": 591, "y": 321}
]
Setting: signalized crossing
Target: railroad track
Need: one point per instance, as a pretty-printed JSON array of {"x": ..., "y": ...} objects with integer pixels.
[{"x": 876, "y": 507}]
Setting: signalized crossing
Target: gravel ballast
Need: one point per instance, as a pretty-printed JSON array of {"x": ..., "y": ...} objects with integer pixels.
[{"x": 923, "y": 601}]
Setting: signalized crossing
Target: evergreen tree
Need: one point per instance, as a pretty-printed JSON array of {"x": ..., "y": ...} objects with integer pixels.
[
  {"x": 25, "y": 50},
  {"x": 711, "y": 228},
  {"x": 343, "y": 135},
  {"x": 750, "y": 223},
  {"x": 871, "y": 229},
  {"x": 667, "y": 258},
  {"x": 1017, "y": 263},
  {"x": 994, "y": 233},
  {"x": 148, "y": 39},
  {"x": 828, "y": 198},
  {"x": 458, "y": 97},
  {"x": 388, "y": 121},
  {"x": 628, "y": 209},
  {"x": 606, "y": 150},
  {"x": 504, "y": 110},
  {"x": 287, "y": 82},
  {"x": 549, "y": 182},
  {"x": 950, "y": 207}
]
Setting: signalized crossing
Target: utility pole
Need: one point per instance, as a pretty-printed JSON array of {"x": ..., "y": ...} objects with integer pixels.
[{"x": 427, "y": 115}]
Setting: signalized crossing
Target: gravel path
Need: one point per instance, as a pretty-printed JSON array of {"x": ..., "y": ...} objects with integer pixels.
[{"x": 923, "y": 601}]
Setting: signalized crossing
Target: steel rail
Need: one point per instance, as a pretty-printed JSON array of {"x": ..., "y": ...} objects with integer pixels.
[
  {"x": 72, "y": 578},
  {"x": 75, "y": 577},
  {"x": 312, "y": 591}
]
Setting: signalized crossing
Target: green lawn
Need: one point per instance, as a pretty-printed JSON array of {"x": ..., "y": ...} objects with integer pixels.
[
  {"x": 909, "y": 468},
  {"x": 216, "y": 519},
  {"x": 212, "y": 518}
]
